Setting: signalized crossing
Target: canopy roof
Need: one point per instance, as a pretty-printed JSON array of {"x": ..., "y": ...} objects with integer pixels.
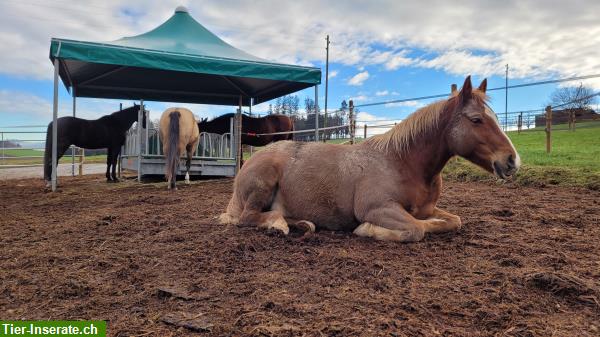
[{"x": 179, "y": 61}]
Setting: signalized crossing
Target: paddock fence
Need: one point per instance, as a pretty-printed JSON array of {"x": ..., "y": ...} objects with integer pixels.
[{"x": 23, "y": 146}]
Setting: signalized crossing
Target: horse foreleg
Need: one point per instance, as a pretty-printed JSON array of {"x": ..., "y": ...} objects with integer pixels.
[
  {"x": 115, "y": 158},
  {"x": 108, "y": 162},
  {"x": 391, "y": 222},
  {"x": 450, "y": 222}
]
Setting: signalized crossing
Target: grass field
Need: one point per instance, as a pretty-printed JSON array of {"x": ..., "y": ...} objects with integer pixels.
[{"x": 574, "y": 159}]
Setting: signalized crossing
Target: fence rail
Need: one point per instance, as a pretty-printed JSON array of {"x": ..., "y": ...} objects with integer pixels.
[{"x": 13, "y": 160}]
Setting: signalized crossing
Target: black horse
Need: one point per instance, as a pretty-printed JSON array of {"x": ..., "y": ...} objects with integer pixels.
[
  {"x": 106, "y": 132},
  {"x": 252, "y": 128}
]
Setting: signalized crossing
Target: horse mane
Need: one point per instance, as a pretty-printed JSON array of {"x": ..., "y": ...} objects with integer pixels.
[{"x": 422, "y": 121}]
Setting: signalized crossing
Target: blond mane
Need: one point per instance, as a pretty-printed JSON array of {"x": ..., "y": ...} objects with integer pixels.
[{"x": 424, "y": 120}]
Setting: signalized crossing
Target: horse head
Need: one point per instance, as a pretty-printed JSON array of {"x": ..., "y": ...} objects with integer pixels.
[{"x": 475, "y": 134}]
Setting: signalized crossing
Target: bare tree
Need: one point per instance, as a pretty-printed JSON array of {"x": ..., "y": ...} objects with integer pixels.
[{"x": 573, "y": 98}]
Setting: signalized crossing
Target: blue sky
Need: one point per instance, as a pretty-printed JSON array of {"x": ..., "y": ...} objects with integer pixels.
[{"x": 381, "y": 50}]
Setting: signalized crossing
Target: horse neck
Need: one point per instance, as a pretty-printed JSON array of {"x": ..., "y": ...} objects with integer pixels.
[
  {"x": 129, "y": 117},
  {"x": 428, "y": 153}
]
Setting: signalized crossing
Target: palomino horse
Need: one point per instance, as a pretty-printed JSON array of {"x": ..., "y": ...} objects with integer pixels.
[
  {"x": 386, "y": 187},
  {"x": 178, "y": 131},
  {"x": 106, "y": 132}
]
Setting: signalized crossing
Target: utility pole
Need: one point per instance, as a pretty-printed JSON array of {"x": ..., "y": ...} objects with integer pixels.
[
  {"x": 326, "y": 80},
  {"x": 506, "y": 101}
]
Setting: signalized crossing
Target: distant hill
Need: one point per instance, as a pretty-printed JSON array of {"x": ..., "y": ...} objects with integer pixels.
[{"x": 9, "y": 143}]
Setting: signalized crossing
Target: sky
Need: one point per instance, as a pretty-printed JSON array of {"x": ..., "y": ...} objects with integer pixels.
[{"x": 380, "y": 50}]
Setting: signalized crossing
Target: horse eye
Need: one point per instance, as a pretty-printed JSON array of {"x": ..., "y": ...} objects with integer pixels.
[{"x": 476, "y": 120}]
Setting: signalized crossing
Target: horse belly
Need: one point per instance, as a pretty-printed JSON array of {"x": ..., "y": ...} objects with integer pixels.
[{"x": 324, "y": 204}]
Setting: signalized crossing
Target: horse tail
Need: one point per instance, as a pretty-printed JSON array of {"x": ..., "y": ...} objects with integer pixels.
[
  {"x": 173, "y": 147},
  {"x": 48, "y": 154}
]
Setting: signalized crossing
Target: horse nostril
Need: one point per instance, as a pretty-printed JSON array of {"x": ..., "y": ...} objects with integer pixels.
[{"x": 510, "y": 161}]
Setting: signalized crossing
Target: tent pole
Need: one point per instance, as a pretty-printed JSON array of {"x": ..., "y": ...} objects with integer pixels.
[
  {"x": 316, "y": 113},
  {"x": 139, "y": 134},
  {"x": 54, "y": 125},
  {"x": 238, "y": 138},
  {"x": 72, "y": 148}
]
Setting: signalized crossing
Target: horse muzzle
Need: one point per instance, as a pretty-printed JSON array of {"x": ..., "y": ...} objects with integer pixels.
[{"x": 508, "y": 167}]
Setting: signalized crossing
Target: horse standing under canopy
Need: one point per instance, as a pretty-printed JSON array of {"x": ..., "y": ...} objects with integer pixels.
[
  {"x": 386, "y": 187},
  {"x": 106, "y": 132},
  {"x": 178, "y": 131}
]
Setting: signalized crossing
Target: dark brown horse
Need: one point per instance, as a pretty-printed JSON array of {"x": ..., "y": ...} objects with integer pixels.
[
  {"x": 106, "y": 132},
  {"x": 253, "y": 128},
  {"x": 386, "y": 187}
]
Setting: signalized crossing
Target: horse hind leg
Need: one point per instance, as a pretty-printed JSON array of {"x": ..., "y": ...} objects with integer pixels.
[
  {"x": 259, "y": 192},
  {"x": 190, "y": 149},
  {"x": 271, "y": 220}
]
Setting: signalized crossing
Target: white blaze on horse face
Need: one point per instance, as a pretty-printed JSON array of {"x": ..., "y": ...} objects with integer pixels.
[{"x": 517, "y": 158}]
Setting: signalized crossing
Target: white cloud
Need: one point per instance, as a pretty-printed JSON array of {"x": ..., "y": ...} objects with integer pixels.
[
  {"x": 375, "y": 125},
  {"x": 359, "y": 78},
  {"x": 476, "y": 37},
  {"x": 360, "y": 98},
  {"x": 382, "y": 93},
  {"x": 333, "y": 73},
  {"x": 415, "y": 104},
  {"x": 23, "y": 103}
]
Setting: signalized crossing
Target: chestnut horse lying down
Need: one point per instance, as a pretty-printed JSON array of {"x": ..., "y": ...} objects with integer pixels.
[{"x": 386, "y": 187}]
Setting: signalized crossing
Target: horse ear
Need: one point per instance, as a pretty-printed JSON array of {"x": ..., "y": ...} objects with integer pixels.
[
  {"x": 483, "y": 85},
  {"x": 466, "y": 91}
]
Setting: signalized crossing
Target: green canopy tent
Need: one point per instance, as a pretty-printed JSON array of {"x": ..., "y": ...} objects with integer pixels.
[{"x": 179, "y": 61}]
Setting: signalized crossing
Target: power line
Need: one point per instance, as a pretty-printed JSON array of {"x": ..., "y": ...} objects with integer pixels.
[{"x": 568, "y": 79}]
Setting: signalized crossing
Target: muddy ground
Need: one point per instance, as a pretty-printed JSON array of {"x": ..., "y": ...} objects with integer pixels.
[{"x": 526, "y": 263}]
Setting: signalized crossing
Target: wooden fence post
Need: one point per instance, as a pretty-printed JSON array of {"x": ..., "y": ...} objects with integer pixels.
[
  {"x": 365, "y": 136},
  {"x": 572, "y": 120},
  {"x": 453, "y": 88},
  {"x": 351, "y": 120},
  {"x": 520, "y": 122},
  {"x": 548, "y": 129}
]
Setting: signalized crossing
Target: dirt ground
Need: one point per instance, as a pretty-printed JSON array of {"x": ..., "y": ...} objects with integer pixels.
[{"x": 525, "y": 263}]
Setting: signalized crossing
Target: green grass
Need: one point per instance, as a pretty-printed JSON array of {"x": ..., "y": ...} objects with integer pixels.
[
  {"x": 22, "y": 153},
  {"x": 573, "y": 161},
  {"x": 37, "y": 161}
]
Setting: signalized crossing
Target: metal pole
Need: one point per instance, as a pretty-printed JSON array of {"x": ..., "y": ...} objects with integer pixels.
[
  {"x": 506, "y": 101},
  {"x": 231, "y": 137},
  {"x": 326, "y": 79},
  {"x": 72, "y": 148},
  {"x": 147, "y": 118},
  {"x": 316, "y": 113},
  {"x": 351, "y": 120},
  {"x": 238, "y": 137},
  {"x": 139, "y": 138},
  {"x": 54, "y": 124},
  {"x": 120, "y": 159}
]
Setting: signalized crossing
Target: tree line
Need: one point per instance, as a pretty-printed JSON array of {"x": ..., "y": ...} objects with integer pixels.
[{"x": 290, "y": 105}]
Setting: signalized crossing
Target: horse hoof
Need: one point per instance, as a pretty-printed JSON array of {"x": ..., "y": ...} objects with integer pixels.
[
  {"x": 226, "y": 219},
  {"x": 280, "y": 226},
  {"x": 305, "y": 226}
]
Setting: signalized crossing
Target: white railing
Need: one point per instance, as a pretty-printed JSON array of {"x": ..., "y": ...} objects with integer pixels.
[{"x": 211, "y": 146}]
